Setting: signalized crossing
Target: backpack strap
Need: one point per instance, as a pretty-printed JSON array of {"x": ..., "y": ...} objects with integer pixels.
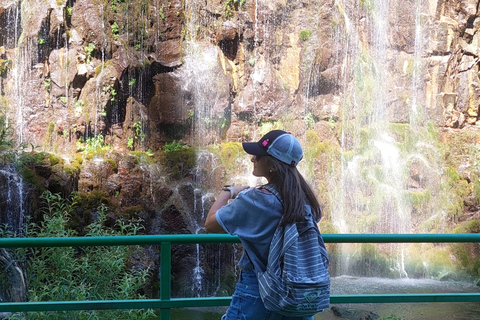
[{"x": 277, "y": 195}]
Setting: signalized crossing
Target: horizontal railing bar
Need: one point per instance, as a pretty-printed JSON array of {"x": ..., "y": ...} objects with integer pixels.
[
  {"x": 114, "y": 240},
  {"x": 225, "y": 301},
  {"x": 222, "y": 238},
  {"x": 405, "y": 298},
  {"x": 401, "y": 238},
  {"x": 113, "y": 304}
]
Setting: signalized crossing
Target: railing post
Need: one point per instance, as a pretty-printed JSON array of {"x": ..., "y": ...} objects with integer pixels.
[{"x": 165, "y": 277}]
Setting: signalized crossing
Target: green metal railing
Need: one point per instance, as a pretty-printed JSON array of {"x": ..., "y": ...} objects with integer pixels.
[{"x": 165, "y": 303}]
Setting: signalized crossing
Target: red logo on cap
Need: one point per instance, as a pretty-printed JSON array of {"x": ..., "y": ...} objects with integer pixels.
[{"x": 265, "y": 142}]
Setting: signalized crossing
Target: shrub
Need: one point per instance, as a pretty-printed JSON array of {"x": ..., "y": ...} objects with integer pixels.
[
  {"x": 179, "y": 158},
  {"x": 87, "y": 273}
]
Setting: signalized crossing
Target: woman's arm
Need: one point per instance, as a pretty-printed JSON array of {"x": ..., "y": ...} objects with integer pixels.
[{"x": 211, "y": 223}]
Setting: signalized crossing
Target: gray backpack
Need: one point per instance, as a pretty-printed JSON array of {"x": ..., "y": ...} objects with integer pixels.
[{"x": 296, "y": 281}]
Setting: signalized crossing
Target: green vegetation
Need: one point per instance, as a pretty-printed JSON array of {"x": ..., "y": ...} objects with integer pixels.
[
  {"x": 456, "y": 188},
  {"x": 318, "y": 152},
  {"x": 5, "y": 65},
  {"x": 310, "y": 120},
  {"x": 93, "y": 144},
  {"x": 115, "y": 28},
  {"x": 367, "y": 5},
  {"x": 88, "y": 51},
  {"x": 79, "y": 104},
  {"x": 139, "y": 133},
  {"x": 47, "y": 83},
  {"x": 229, "y": 153},
  {"x": 73, "y": 273},
  {"x": 179, "y": 158},
  {"x": 68, "y": 11},
  {"x": 269, "y": 126},
  {"x": 139, "y": 136},
  {"x": 174, "y": 146},
  {"x": 305, "y": 35},
  {"x": 110, "y": 89},
  {"x": 231, "y": 6},
  {"x": 161, "y": 13},
  {"x": 6, "y": 140},
  {"x": 466, "y": 252}
]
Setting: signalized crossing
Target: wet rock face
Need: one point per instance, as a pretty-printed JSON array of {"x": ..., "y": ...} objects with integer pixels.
[{"x": 85, "y": 62}]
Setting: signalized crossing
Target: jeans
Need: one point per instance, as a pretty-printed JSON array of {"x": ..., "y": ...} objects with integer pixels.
[{"x": 246, "y": 302}]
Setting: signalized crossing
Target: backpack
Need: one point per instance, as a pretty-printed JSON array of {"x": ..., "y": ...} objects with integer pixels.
[{"x": 296, "y": 281}]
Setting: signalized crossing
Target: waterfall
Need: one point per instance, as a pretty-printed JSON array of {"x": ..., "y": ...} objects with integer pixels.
[
  {"x": 13, "y": 195},
  {"x": 378, "y": 147},
  {"x": 198, "y": 272},
  {"x": 12, "y": 199}
]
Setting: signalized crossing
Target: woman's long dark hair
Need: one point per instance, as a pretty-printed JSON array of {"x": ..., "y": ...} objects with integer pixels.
[{"x": 294, "y": 190}]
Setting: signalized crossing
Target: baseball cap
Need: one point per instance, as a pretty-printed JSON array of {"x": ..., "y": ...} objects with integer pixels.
[{"x": 279, "y": 144}]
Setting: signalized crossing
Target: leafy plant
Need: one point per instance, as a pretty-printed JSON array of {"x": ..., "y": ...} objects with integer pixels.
[
  {"x": 179, "y": 158},
  {"x": 130, "y": 143},
  {"x": 232, "y": 5},
  {"x": 305, "y": 35},
  {"x": 93, "y": 144},
  {"x": 79, "y": 106},
  {"x": 5, "y": 65},
  {"x": 115, "y": 30},
  {"x": 67, "y": 273},
  {"x": 161, "y": 13},
  {"x": 47, "y": 83},
  {"x": 309, "y": 120},
  {"x": 68, "y": 11},
  {"x": 174, "y": 146},
  {"x": 139, "y": 133},
  {"x": 109, "y": 89},
  {"x": 89, "y": 50},
  {"x": 6, "y": 140}
]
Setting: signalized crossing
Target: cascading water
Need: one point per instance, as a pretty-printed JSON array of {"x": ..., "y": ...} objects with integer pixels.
[
  {"x": 198, "y": 271},
  {"x": 12, "y": 199},
  {"x": 377, "y": 146}
]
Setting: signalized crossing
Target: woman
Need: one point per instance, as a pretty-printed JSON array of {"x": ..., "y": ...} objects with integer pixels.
[{"x": 255, "y": 214}]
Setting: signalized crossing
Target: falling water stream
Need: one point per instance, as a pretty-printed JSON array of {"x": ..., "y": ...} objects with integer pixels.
[
  {"x": 371, "y": 196},
  {"x": 12, "y": 199}
]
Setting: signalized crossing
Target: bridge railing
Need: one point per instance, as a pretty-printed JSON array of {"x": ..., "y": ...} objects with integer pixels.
[{"x": 165, "y": 303}]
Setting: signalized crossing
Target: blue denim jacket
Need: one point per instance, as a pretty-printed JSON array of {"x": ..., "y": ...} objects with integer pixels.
[{"x": 253, "y": 216}]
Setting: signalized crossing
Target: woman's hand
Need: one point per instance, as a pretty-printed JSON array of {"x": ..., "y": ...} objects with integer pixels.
[
  {"x": 211, "y": 223},
  {"x": 238, "y": 189}
]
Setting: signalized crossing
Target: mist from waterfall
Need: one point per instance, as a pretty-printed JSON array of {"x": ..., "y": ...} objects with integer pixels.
[{"x": 378, "y": 148}]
